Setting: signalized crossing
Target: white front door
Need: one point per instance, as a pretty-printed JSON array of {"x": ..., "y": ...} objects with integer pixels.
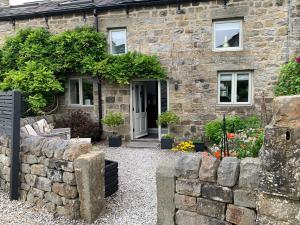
[{"x": 139, "y": 110}]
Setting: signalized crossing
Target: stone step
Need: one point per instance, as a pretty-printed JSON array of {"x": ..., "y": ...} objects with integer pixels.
[{"x": 142, "y": 144}]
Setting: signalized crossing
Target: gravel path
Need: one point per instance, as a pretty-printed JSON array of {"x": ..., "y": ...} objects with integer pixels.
[{"x": 133, "y": 204}]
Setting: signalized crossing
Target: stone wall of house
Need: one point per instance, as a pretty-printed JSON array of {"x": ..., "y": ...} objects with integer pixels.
[
  {"x": 183, "y": 42},
  {"x": 266, "y": 190},
  {"x": 49, "y": 178}
]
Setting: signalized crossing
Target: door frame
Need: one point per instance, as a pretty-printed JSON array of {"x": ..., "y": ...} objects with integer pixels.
[{"x": 159, "y": 103}]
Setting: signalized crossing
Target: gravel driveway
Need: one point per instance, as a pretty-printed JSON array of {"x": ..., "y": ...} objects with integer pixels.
[{"x": 133, "y": 204}]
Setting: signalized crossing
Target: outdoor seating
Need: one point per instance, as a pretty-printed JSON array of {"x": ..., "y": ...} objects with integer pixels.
[{"x": 42, "y": 128}]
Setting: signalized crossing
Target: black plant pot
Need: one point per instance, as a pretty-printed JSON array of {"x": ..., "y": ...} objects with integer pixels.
[
  {"x": 166, "y": 143},
  {"x": 199, "y": 147},
  {"x": 115, "y": 141}
]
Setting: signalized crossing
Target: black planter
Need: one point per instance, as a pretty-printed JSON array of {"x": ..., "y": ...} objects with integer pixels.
[
  {"x": 199, "y": 147},
  {"x": 111, "y": 178},
  {"x": 166, "y": 143},
  {"x": 115, "y": 141}
]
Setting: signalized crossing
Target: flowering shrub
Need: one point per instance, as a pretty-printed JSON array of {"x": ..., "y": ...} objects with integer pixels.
[
  {"x": 248, "y": 143},
  {"x": 185, "y": 146},
  {"x": 289, "y": 80}
]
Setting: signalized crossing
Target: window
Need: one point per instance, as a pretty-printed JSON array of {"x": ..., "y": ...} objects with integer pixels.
[
  {"x": 81, "y": 91},
  {"x": 117, "y": 41},
  {"x": 227, "y": 35},
  {"x": 234, "y": 88}
]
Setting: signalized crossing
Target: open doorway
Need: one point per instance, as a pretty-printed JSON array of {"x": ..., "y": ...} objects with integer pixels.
[{"x": 148, "y": 99}]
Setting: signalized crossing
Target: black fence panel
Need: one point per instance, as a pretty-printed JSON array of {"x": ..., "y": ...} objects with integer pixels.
[{"x": 10, "y": 113}]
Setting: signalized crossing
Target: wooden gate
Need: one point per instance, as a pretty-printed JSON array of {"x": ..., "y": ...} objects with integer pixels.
[{"x": 10, "y": 113}]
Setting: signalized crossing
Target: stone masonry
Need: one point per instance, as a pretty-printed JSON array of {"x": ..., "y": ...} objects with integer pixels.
[
  {"x": 48, "y": 178},
  {"x": 183, "y": 42},
  {"x": 251, "y": 191}
]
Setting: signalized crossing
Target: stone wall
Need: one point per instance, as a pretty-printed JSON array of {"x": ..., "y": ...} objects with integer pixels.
[
  {"x": 48, "y": 179},
  {"x": 252, "y": 191},
  {"x": 51, "y": 119},
  {"x": 183, "y": 42}
]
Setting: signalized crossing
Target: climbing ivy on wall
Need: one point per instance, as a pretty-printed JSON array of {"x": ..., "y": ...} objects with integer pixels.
[{"x": 37, "y": 63}]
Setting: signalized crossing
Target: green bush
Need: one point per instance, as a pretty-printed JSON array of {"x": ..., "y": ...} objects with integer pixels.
[
  {"x": 289, "y": 79},
  {"x": 214, "y": 129},
  {"x": 168, "y": 118},
  {"x": 113, "y": 120},
  {"x": 248, "y": 143}
]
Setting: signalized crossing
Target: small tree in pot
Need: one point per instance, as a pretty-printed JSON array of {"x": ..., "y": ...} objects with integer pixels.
[
  {"x": 113, "y": 120},
  {"x": 199, "y": 144},
  {"x": 166, "y": 119}
]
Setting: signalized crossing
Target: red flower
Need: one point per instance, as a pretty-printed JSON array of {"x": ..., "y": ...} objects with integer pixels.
[
  {"x": 298, "y": 59},
  {"x": 230, "y": 135},
  {"x": 217, "y": 154}
]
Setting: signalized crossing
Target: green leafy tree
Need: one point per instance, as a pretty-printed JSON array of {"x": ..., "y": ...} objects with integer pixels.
[
  {"x": 289, "y": 79},
  {"x": 36, "y": 83}
]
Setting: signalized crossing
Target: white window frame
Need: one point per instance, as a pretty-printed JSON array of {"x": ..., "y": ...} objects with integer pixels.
[
  {"x": 110, "y": 30},
  {"x": 234, "y": 88},
  {"x": 240, "y": 48},
  {"x": 80, "y": 91}
]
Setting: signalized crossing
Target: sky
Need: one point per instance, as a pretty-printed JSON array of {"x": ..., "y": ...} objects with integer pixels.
[{"x": 19, "y": 2}]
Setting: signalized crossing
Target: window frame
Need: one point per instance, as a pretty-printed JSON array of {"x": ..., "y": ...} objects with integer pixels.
[
  {"x": 80, "y": 91},
  {"x": 234, "y": 88},
  {"x": 110, "y": 30},
  {"x": 240, "y": 48}
]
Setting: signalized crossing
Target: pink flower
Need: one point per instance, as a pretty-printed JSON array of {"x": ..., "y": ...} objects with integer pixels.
[{"x": 298, "y": 59}]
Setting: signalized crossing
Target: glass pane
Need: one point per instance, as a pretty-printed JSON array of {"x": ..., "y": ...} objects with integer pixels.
[
  {"x": 137, "y": 99},
  {"x": 87, "y": 92},
  {"x": 142, "y": 94},
  {"x": 225, "y": 87},
  {"x": 74, "y": 91},
  {"x": 242, "y": 90},
  {"x": 227, "y": 34},
  {"x": 118, "y": 42}
]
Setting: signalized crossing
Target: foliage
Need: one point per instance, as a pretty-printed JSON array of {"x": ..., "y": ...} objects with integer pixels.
[
  {"x": 35, "y": 81},
  {"x": 167, "y": 136},
  {"x": 81, "y": 125},
  {"x": 289, "y": 79},
  {"x": 167, "y": 118},
  {"x": 113, "y": 119},
  {"x": 248, "y": 143},
  {"x": 214, "y": 129},
  {"x": 185, "y": 146},
  {"x": 80, "y": 51},
  {"x": 122, "y": 68}
]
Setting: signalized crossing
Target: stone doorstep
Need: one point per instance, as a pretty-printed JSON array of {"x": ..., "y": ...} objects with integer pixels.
[{"x": 142, "y": 144}]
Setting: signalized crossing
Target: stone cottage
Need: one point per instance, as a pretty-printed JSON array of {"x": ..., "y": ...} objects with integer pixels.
[{"x": 222, "y": 56}]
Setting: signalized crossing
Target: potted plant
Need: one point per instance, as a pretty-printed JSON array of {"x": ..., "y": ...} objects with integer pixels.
[
  {"x": 166, "y": 119},
  {"x": 113, "y": 120},
  {"x": 199, "y": 144}
]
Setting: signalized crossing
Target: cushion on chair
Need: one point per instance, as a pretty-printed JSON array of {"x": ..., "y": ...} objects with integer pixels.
[{"x": 30, "y": 130}]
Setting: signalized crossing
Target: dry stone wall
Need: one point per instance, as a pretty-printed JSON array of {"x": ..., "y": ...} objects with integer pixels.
[
  {"x": 51, "y": 171},
  {"x": 47, "y": 176},
  {"x": 252, "y": 191}
]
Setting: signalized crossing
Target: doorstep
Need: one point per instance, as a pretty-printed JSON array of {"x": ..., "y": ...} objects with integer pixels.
[{"x": 142, "y": 144}]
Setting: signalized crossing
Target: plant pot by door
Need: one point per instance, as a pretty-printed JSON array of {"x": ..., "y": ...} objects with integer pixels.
[
  {"x": 199, "y": 147},
  {"x": 166, "y": 143},
  {"x": 115, "y": 141}
]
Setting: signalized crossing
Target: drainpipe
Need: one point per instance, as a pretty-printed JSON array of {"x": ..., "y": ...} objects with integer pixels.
[
  {"x": 99, "y": 80},
  {"x": 289, "y": 31}
]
